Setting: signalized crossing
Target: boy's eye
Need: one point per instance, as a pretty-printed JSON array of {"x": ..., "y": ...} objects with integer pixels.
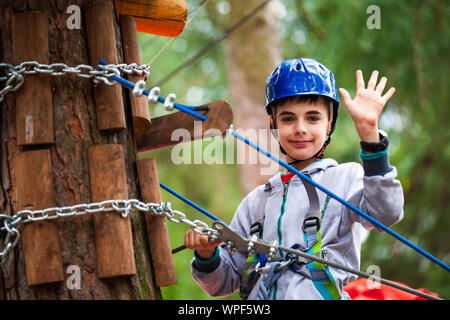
[
  {"x": 287, "y": 119},
  {"x": 313, "y": 118}
]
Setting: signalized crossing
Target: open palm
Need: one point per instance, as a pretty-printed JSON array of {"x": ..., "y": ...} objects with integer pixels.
[{"x": 365, "y": 109}]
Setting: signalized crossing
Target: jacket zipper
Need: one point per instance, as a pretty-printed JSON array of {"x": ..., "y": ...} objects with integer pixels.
[{"x": 283, "y": 204}]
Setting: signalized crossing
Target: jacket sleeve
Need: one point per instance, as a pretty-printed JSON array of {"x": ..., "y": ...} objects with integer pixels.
[
  {"x": 376, "y": 191},
  {"x": 222, "y": 276}
]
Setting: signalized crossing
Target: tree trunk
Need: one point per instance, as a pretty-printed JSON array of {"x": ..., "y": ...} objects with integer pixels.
[
  {"x": 253, "y": 52},
  {"x": 75, "y": 130}
]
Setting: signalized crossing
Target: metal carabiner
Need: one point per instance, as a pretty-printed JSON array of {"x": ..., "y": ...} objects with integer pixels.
[
  {"x": 139, "y": 88},
  {"x": 154, "y": 95}
]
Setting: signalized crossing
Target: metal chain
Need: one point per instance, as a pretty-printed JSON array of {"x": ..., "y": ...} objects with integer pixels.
[
  {"x": 124, "y": 207},
  {"x": 14, "y": 75}
]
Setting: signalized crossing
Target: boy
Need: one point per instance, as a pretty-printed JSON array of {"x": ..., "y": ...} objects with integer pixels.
[{"x": 302, "y": 104}]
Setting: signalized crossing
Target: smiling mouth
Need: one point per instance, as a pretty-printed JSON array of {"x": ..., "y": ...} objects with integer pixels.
[{"x": 302, "y": 143}]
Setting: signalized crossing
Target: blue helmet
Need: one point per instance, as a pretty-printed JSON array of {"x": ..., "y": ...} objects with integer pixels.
[{"x": 304, "y": 76}]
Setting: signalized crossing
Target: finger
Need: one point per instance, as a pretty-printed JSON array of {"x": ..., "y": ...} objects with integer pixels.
[
  {"x": 204, "y": 241},
  {"x": 381, "y": 85},
  {"x": 345, "y": 96},
  {"x": 373, "y": 80},
  {"x": 388, "y": 94},
  {"x": 200, "y": 242},
  {"x": 359, "y": 80},
  {"x": 188, "y": 239}
]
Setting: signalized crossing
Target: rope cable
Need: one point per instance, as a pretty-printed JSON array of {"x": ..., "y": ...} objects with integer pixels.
[
  {"x": 213, "y": 43},
  {"x": 359, "y": 273},
  {"x": 166, "y": 45},
  {"x": 187, "y": 109}
]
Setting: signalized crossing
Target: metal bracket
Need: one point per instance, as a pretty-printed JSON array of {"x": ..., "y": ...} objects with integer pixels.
[{"x": 238, "y": 242}]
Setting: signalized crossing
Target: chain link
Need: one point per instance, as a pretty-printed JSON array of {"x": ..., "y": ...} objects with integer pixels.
[
  {"x": 14, "y": 75},
  {"x": 124, "y": 207}
]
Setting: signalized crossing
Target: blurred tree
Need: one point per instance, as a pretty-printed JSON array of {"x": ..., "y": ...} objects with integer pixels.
[{"x": 249, "y": 64}]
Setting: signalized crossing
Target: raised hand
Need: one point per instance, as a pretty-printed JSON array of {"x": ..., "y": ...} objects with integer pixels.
[{"x": 366, "y": 107}]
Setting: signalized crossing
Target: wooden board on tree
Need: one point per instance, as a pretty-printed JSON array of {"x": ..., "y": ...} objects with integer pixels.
[
  {"x": 159, "y": 17},
  {"x": 220, "y": 117}
]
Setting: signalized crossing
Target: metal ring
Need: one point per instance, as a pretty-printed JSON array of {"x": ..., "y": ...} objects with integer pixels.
[
  {"x": 139, "y": 88},
  {"x": 170, "y": 101},
  {"x": 154, "y": 95}
]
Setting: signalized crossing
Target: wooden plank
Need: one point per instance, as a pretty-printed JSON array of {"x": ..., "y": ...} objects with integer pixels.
[
  {"x": 160, "y": 17},
  {"x": 113, "y": 238},
  {"x": 219, "y": 116},
  {"x": 139, "y": 105},
  {"x": 158, "y": 235},
  {"x": 99, "y": 17},
  {"x": 35, "y": 191},
  {"x": 34, "y": 109}
]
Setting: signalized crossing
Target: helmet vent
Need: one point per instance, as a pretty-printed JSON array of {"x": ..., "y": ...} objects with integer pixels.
[{"x": 297, "y": 67}]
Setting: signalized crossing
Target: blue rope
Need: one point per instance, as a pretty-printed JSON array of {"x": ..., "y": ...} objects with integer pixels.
[
  {"x": 129, "y": 84},
  {"x": 265, "y": 286},
  {"x": 189, "y": 202},
  {"x": 345, "y": 203}
]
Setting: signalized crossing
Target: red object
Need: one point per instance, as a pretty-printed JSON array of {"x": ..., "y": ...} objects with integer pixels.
[
  {"x": 286, "y": 177},
  {"x": 363, "y": 289}
]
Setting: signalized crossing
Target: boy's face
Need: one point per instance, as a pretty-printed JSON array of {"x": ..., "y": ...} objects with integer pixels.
[{"x": 302, "y": 128}]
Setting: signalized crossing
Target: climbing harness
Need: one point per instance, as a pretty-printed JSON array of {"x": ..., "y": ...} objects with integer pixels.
[
  {"x": 250, "y": 273},
  {"x": 241, "y": 244},
  {"x": 319, "y": 273},
  {"x": 345, "y": 203}
]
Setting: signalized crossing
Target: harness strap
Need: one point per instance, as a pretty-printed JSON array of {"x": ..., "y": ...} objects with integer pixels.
[
  {"x": 320, "y": 274},
  {"x": 250, "y": 276}
]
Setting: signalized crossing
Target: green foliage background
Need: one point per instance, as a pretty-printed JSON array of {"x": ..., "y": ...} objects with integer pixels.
[{"x": 411, "y": 49}]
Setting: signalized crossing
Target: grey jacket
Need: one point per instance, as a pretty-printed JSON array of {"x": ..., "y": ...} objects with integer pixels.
[{"x": 378, "y": 194}]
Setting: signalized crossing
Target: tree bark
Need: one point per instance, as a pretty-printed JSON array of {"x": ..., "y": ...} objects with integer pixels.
[
  {"x": 252, "y": 52},
  {"x": 75, "y": 130}
]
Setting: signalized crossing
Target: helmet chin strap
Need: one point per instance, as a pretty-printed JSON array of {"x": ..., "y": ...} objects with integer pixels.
[{"x": 318, "y": 155}]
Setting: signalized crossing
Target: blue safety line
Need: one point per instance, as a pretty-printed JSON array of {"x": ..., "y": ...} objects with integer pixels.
[
  {"x": 189, "y": 202},
  {"x": 184, "y": 108},
  {"x": 345, "y": 203}
]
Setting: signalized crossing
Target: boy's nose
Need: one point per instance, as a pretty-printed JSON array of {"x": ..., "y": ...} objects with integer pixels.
[{"x": 300, "y": 128}]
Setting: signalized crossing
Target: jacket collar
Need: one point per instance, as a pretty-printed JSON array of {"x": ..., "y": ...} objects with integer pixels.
[{"x": 313, "y": 168}]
